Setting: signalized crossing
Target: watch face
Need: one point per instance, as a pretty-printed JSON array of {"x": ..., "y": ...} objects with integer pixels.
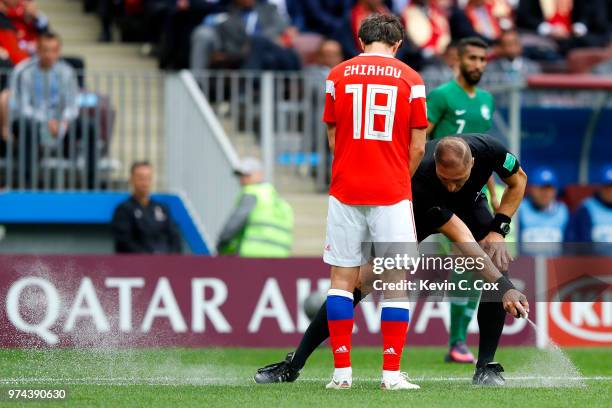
[{"x": 505, "y": 228}]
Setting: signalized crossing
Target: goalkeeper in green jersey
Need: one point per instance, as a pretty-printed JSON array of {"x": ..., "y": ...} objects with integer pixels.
[{"x": 457, "y": 107}]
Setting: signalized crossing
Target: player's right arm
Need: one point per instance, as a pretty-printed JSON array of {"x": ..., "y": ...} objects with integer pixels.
[{"x": 514, "y": 302}]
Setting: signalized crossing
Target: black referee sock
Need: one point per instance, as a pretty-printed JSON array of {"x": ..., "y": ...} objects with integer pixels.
[
  {"x": 316, "y": 333},
  {"x": 491, "y": 317}
]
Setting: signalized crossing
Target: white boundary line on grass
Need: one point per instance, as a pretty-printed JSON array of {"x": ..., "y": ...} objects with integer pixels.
[{"x": 171, "y": 381}]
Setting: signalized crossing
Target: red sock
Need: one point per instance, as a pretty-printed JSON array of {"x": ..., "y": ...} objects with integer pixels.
[
  {"x": 340, "y": 322},
  {"x": 340, "y": 332},
  {"x": 394, "y": 326},
  {"x": 394, "y": 337}
]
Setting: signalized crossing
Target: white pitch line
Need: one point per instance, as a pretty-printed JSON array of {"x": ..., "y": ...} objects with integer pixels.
[{"x": 172, "y": 381}]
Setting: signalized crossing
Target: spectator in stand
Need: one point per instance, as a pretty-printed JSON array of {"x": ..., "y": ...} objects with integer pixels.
[
  {"x": 29, "y": 22},
  {"x": 427, "y": 27},
  {"x": 444, "y": 68},
  {"x": 346, "y": 34},
  {"x": 156, "y": 13},
  {"x": 141, "y": 224},
  {"x": 543, "y": 220},
  {"x": 328, "y": 56},
  {"x": 510, "y": 60},
  {"x": 44, "y": 106},
  {"x": 107, "y": 11},
  {"x": 397, "y": 6},
  {"x": 251, "y": 36},
  {"x": 9, "y": 42},
  {"x": 592, "y": 222},
  {"x": 325, "y": 16},
  {"x": 261, "y": 225},
  {"x": 567, "y": 23},
  {"x": 460, "y": 24},
  {"x": 489, "y": 17},
  {"x": 177, "y": 23},
  {"x": 291, "y": 11},
  {"x": 152, "y": 13}
]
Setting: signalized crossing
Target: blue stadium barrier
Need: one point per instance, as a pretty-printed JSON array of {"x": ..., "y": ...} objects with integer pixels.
[
  {"x": 554, "y": 136},
  {"x": 89, "y": 208},
  {"x": 298, "y": 159},
  {"x": 601, "y": 150}
]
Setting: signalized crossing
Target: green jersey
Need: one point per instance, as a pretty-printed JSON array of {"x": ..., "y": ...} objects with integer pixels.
[{"x": 453, "y": 111}]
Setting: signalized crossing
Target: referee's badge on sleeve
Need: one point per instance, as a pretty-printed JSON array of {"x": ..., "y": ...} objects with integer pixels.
[{"x": 509, "y": 162}]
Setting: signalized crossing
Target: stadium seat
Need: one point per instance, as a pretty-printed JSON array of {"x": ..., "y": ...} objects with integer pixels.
[
  {"x": 576, "y": 193},
  {"x": 307, "y": 45},
  {"x": 582, "y": 60}
]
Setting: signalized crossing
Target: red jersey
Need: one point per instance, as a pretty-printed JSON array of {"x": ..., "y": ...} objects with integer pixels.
[{"x": 374, "y": 100}]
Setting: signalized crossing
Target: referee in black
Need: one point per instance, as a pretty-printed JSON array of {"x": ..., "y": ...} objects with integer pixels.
[{"x": 447, "y": 197}]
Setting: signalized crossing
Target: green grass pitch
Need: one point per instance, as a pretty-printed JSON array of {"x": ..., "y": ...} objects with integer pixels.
[{"x": 222, "y": 377}]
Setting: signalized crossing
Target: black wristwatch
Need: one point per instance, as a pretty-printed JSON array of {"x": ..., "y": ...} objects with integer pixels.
[{"x": 501, "y": 224}]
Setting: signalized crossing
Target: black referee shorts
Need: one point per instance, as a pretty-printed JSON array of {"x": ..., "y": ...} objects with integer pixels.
[{"x": 477, "y": 217}]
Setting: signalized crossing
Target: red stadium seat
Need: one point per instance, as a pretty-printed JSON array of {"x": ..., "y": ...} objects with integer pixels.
[
  {"x": 582, "y": 60},
  {"x": 576, "y": 193},
  {"x": 307, "y": 45}
]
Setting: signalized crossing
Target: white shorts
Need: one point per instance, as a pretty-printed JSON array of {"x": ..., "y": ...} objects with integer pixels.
[{"x": 349, "y": 226}]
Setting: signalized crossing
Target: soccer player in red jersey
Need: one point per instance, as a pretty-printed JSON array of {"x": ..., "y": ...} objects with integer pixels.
[{"x": 376, "y": 119}]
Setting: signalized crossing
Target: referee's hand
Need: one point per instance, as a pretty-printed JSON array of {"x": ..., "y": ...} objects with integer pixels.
[
  {"x": 515, "y": 303},
  {"x": 494, "y": 245}
]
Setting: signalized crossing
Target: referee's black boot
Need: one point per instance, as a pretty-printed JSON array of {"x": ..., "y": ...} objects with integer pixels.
[
  {"x": 489, "y": 375},
  {"x": 277, "y": 372}
]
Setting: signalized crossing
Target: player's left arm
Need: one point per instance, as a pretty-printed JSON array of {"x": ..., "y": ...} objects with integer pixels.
[
  {"x": 331, "y": 136},
  {"x": 418, "y": 123},
  {"x": 417, "y": 148}
]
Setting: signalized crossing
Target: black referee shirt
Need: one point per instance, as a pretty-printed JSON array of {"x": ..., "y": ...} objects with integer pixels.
[{"x": 434, "y": 205}]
